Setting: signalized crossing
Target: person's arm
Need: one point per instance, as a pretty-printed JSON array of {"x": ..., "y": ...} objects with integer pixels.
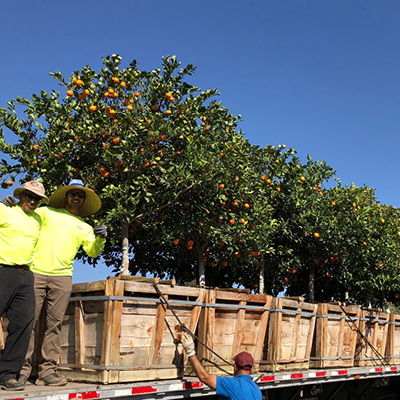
[
  {"x": 188, "y": 344},
  {"x": 209, "y": 379}
]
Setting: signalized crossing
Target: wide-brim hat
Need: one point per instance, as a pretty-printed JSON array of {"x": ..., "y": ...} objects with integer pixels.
[
  {"x": 92, "y": 202},
  {"x": 34, "y": 187}
]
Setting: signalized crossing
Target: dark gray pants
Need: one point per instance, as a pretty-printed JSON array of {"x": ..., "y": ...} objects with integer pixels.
[{"x": 17, "y": 300}]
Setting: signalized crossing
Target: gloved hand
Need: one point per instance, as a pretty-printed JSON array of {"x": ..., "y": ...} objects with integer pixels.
[
  {"x": 9, "y": 201},
  {"x": 101, "y": 231},
  {"x": 188, "y": 344}
]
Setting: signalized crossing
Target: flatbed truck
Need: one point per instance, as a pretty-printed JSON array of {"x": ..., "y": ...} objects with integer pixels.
[{"x": 366, "y": 383}]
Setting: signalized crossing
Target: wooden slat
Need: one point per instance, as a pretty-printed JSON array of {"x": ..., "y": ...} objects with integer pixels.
[
  {"x": 157, "y": 334},
  {"x": 80, "y": 337},
  {"x": 115, "y": 340}
]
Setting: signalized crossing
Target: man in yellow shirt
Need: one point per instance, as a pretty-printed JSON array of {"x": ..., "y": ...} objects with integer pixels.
[
  {"x": 19, "y": 233},
  {"x": 63, "y": 233}
]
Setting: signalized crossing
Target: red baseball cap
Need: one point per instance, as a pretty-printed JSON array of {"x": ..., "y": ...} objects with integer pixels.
[{"x": 244, "y": 360}]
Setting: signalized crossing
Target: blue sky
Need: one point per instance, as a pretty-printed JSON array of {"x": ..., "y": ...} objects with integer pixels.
[{"x": 321, "y": 76}]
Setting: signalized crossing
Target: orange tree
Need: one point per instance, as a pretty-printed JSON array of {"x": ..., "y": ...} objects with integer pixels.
[
  {"x": 357, "y": 251},
  {"x": 300, "y": 234},
  {"x": 223, "y": 225},
  {"x": 145, "y": 141}
]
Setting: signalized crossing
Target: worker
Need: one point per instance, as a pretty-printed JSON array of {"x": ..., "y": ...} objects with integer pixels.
[
  {"x": 19, "y": 233},
  {"x": 239, "y": 387},
  {"x": 63, "y": 233}
]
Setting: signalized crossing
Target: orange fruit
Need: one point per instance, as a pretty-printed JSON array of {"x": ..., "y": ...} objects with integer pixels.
[
  {"x": 383, "y": 221},
  {"x": 263, "y": 178},
  {"x": 130, "y": 108},
  {"x": 81, "y": 96},
  {"x": 242, "y": 220},
  {"x": 106, "y": 95},
  {"x": 225, "y": 263},
  {"x": 207, "y": 128},
  {"x": 316, "y": 235},
  {"x": 102, "y": 170},
  {"x": 222, "y": 186},
  {"x": 106, "y": 174},
  {"x": 269, "y": 181},
  {"x": 176, "y": 241},
  {"x": 232, "y": 221},
  {"x": 154, "y": 107},
  {"x": 78, "y": 82},
  {"x": 36, "y": 147},
  {"x": 112, "y": 112},
  {"x": 122, "y": 84},
  {"x": 70, "y": 93},
  {"x": 115, "y": 79},
  {"x": 168, "y": 95},
  {"x": 86, "y": 92},
  {"x": 92, "y": 108},
  {"x": 59, "y": 155},
  {"x": 246, "y": 205},
  {"x": 204, "y": 119},
  {"x": 111, "y": 91},
  {"x": 302, "y": 178},
  {"x": 168, "y": 112},
  {"x": 171, "y": 99},
  {"x": 333, "y": 203},
  {"x": 115, "y": 95},
  {"x": 136, "y": 94},
  {"x": 115, "y": 140},
  {"x": 10, "y": 183}
]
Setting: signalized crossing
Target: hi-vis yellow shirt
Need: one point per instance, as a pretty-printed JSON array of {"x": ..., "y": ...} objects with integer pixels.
[
  {"x": 19, "y": 233},
  {"x": 61, "y": 236}
]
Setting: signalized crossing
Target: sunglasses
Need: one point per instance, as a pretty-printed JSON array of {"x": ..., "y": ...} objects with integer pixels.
[
  {"x": 29, "y": 197},
  {"x": 76, "y": 194}
]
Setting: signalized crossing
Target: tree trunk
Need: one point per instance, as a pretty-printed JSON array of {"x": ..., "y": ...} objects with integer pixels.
[
  {"x": 125, "y": 247},
  {"x": 200, "y": 247},
  {"x": 311, "y": 284},
  {"x": 262, "y": 274},
  {"x": 202, "y": 274}
]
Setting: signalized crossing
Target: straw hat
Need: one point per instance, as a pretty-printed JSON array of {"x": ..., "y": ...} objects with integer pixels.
[
  {"x": 34, "y": 187},
  {"x": 92, "y": 202}
]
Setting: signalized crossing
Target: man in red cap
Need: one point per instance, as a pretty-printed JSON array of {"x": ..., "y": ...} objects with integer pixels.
[{"x": 239, "y": 387}]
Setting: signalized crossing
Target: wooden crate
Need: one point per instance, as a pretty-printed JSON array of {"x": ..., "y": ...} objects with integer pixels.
[
  {"x": 372, "y": 337},
  {"x": 232, "y": 322},
  {"x": 120, "y": 331},
  {"x": 335, "y": 336},
  {"x": 392, "y": 354},
  {"x": 290, "y": 334}
]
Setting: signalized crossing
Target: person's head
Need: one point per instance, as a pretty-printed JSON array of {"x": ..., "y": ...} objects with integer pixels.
[
  {"x": 30, "y": 195},
  {"x": 243, "y": 363},
  {"x": 76, "y": 199}
]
